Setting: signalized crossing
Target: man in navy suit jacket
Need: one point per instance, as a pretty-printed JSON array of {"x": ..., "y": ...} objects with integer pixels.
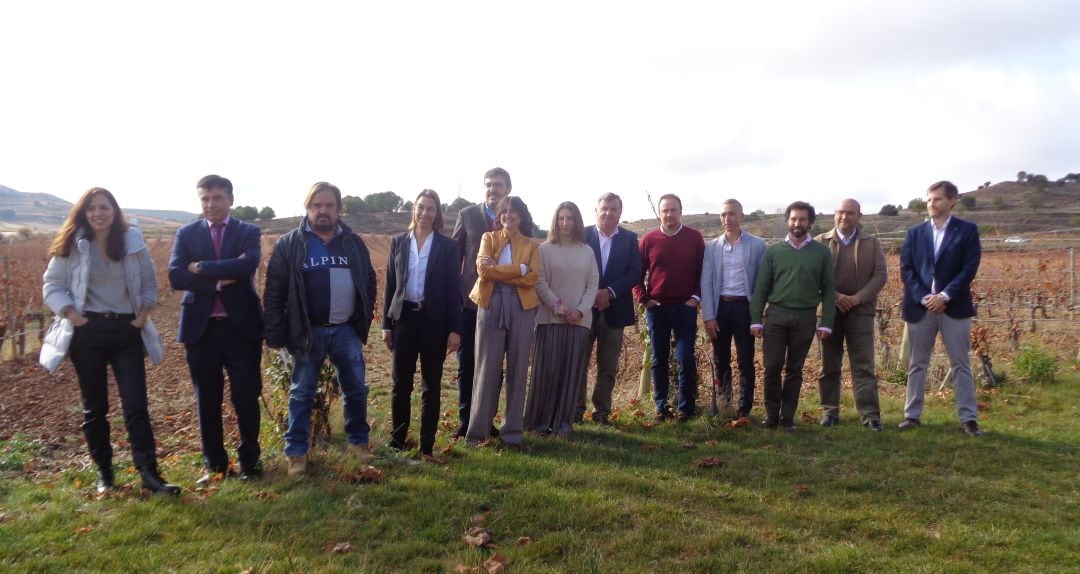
[
  {"x": 619, "y": 262},
  {"x": 214, "y": 261},
  {"x": 938, "y": 261}
]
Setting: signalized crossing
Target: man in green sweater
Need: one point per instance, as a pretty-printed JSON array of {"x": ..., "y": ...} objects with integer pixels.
[{"x": 796, "y": 276}]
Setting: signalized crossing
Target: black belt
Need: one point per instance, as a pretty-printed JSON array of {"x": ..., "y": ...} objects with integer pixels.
[
  {"x": 412, "y": 305},
  {"x": 738, "y": 299},
  {"x": 110, "y": 316}
]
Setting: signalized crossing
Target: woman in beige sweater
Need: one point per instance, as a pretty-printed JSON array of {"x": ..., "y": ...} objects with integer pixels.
[{"x": 567, "y": 288}]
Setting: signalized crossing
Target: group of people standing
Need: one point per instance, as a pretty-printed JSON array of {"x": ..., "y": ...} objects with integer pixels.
[{"x": 499, "y": 299}]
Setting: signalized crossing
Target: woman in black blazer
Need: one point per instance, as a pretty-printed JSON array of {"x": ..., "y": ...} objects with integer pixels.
[{"x": 421, "y": 316}]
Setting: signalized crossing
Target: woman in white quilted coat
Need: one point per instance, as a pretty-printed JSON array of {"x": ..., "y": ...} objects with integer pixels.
[{"x": 102, "y": 285}]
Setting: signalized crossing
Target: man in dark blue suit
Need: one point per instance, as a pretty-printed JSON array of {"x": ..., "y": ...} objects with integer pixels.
[
  {"x": 938, "y": 261},
  {"x": 214, "y": 261},
  {"x": 619, "y": 262}
]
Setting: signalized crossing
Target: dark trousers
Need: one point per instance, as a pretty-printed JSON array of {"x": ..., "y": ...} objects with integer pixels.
[
  {"x": 857, "y": 331},
  {"x": 733, "y": 322},
  {"x": 787, "y": 338},
  {"x": 221, "y": 349},
  {"x": 663, "y": 320},
  {"x": 95, "y": 346},
  {"x": 414, "y": 336},
  {"x": 466, "y": 357}
]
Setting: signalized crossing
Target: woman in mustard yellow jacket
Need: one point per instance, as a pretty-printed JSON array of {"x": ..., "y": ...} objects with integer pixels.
[{"x": 505, "y": 295}]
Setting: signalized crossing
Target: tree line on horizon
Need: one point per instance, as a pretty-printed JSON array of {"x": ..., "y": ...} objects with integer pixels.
[{"x": 382, "y": 202}]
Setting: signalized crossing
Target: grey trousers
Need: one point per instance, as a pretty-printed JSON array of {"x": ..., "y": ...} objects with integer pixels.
[
  {"x": 504, "y": 329},
  {"x": 857, "y": 332},
  {"x": 956, "y": 335},
  {"x": 608, "y": 341}
]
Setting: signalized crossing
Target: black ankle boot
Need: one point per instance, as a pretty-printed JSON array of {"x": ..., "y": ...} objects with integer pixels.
[
  {"x": 106, "y": 480},
  {"x": 153, "y": 482}
]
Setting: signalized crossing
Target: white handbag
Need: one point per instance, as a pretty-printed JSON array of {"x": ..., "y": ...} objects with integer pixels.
[{"x": 55, "y": 345}]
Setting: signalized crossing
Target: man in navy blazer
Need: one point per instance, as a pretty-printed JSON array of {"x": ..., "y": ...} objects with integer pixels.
[
  {"x": 214, "y": 260},
  {"x": 619, "y": 262},
  {"x": 938, "y": 262}
]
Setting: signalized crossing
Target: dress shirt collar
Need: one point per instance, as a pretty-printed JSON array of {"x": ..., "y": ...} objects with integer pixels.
[
  {"x": 848, "y": 239},
  {"x": 805, "y": 242},
  {"x": 671, "y": 234},
  {"x": 224, "y": 222},
  {"x": 601, "y": 233}
]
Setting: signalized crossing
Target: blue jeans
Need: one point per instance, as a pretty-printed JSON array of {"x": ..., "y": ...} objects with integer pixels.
[
  {"x": 662, "y": 321},
  {"x": 346, "y": 352}
]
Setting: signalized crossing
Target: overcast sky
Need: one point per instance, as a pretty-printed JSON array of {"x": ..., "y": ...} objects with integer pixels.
[{"x": 767, "y": 102}]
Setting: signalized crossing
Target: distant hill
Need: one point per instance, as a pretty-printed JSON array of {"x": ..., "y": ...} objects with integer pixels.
[
  {"x": 45, "y": 212},
  {"x": 1001, "y": 210}
]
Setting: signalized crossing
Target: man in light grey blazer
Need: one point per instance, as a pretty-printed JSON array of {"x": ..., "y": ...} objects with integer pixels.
[{"x": 728, "y": 275}]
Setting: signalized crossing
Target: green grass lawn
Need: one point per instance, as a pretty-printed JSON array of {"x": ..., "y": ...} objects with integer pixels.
[{"x": 622, "y": 499}]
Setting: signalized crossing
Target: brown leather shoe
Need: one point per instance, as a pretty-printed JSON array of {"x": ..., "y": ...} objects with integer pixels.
[
  {"x": 298, "y": 465},
  {"x": 909, "y": 424},
  {"x": 361, "y": 453}
]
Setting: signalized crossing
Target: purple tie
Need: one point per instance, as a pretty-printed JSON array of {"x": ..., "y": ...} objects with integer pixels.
[{"x": 217, "y": 230}]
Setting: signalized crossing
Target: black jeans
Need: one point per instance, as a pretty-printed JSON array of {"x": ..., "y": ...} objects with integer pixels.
[
  {"x": 221, "y": 349},
  {"x": 466, "y": 356},
  {"x": 733, "y": 322},
  {"x": 414, "y": 336},
  {"x": 95, "y": 346}
]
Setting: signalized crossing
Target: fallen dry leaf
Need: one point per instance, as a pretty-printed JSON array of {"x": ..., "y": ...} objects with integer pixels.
[
  {"x": 808, "y": 417},
  {"x": 497, "y": 564},
  {"x": 478, "y": 520},
  {"x": 801, "y": 490},
  {"x": 739, "y": 422},
  {"x": 689, "y": 445},
  {"x": 523, "y": 540},
  {"x": 463, "y": 569},
  {"x": 84, "y": 530},
  {"x": 708, "y": 462},
  {"x": 339, "y": 548},
  {"x": 649, "y": 447},
  {"x": 368, "y": 475},
  {"x": 477, "y": 537}
]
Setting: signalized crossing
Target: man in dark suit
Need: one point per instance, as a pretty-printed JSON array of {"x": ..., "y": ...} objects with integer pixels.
[
  {"x": 472, "y": 223},
  {"x": 619, "y": 262},
  {"x": 938, "y": 262},
  {"x": 421, "y": 316},
  {"x": 214, "y": 261}
]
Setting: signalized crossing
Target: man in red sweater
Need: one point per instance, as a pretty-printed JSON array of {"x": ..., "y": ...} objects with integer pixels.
[{"x": 671, "y": 257}]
